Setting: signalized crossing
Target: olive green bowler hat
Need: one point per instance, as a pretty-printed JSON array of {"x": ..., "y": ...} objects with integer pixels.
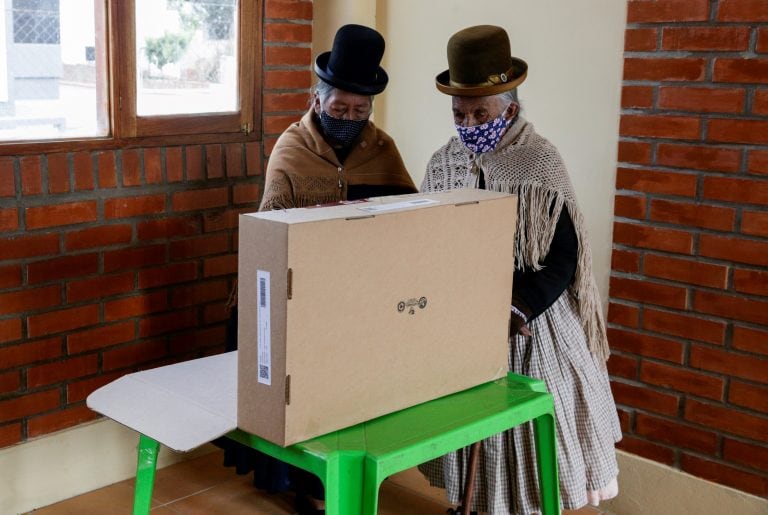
[{"x": 480, "y": 63}]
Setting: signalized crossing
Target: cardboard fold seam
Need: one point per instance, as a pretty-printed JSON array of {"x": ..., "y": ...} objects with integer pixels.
[{"x": 172, "y": 393}]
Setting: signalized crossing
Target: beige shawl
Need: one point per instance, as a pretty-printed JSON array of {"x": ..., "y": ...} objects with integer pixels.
[{"x": 528, "y": 165}]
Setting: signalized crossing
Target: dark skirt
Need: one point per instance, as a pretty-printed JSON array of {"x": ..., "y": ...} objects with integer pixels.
[{"x": 269, "y": 473}]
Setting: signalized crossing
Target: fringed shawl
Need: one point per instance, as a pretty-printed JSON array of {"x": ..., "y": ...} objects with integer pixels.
[{"x": 529, "y": 166}]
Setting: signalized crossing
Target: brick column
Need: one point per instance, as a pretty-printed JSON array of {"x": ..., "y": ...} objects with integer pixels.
[{"x": 688, "y": 312}]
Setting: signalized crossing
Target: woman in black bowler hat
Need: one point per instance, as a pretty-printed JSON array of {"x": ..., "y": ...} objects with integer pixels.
[{"x": 334, "y": 153}]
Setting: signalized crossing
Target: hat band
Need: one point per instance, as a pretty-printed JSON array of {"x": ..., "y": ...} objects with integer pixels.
[
  {"x": 332, "y": 75},
  {"x": 493, "y": 80}
]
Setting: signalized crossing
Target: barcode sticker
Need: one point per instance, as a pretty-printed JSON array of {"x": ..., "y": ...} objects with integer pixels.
[
  {"x": 262, "y": 292},
  {"x": 378, "y": 208},
  {"x": 264, "y": 334}
]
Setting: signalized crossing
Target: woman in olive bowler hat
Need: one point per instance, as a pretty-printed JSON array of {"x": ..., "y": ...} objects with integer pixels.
[
  {"x": 334, "y": 153},
  {"x": 557, "y": 332}
]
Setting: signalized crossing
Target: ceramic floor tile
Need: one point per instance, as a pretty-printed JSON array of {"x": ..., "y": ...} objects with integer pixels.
[
  {"x": 232, "y": 498},
  {"x": 115, "y": 499},
  {"x": 586, "y": 510},
  {"x": 395, "y": 499},
  {"x": 414, "y": 480},
  {"x": 202, "y": 486},
  {"x": 190, "y": 477}
]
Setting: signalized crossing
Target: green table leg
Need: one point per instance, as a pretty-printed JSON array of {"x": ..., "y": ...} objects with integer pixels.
[
  {"x": 373, "y": 477},
  {"x": 549, "y": 485},
  {"x": 145, "y": 475},
  {"x": 344, "y": 483}
]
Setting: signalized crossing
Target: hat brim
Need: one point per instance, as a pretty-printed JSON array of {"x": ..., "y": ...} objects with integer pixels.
[
  {"x": 443, "y": 83},
  {"x": 321, "y": 69}
]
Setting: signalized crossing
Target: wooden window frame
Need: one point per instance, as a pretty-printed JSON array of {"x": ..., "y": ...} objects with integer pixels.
[{"x": 118, "y": 98}]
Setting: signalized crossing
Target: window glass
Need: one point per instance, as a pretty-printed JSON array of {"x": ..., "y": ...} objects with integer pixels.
[
  {"x": 52, "y": 73},
  {"x": 186, "y": 56},
  {"x": 36, "y": 21}
]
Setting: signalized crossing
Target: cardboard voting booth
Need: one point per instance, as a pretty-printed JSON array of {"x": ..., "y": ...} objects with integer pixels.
[{"x": 352, "y": 311}]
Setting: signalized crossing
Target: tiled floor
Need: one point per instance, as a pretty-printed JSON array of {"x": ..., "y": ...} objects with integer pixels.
[{"x": 201, "y": 486}]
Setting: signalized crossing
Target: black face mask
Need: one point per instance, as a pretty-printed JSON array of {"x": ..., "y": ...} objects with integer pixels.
[{"x": 342, "y": 131}]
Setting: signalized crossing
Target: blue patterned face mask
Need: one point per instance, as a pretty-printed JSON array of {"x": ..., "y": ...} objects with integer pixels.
[
  {"x": 484, "y": 138},
  {"x": 341, "y": 130}
]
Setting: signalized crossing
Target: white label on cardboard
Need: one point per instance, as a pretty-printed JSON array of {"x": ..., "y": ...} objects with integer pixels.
[
  {"x": 378, "y": 208},
  {"x": 264, "y": 335}
]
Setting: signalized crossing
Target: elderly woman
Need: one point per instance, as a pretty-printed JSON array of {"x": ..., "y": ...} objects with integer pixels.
[
  {"x": 557, "y": 332},
  {"x": 334, "y": 153}
]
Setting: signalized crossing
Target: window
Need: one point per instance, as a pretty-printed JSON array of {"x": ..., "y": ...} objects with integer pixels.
[
  {"x": 185, "y": 57},
  {"x": 45, "y": 91},
  {"x": 36, "y": 21},
  {"x": 122, "y": 69}
]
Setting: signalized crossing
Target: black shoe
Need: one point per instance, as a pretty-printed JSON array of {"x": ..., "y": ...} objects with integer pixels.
[{"x": 458, "y": 511}]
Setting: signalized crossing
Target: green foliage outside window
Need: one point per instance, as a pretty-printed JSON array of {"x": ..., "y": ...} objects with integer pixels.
[{"x": 166, "y": 49}]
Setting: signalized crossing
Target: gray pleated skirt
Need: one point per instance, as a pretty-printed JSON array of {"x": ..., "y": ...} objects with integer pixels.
[{"x": 587, "y": 425}]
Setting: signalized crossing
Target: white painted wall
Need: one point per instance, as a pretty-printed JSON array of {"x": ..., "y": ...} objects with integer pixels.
[
  {"x": 55, "y": 467},
  {"x": 329, "y": 15},
  {"x": 650, "y": 488}
]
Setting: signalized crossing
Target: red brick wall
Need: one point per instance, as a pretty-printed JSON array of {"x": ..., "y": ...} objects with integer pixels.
[
  {"x": 688, "y": 309},
  {"x": 122, "y": 259}
]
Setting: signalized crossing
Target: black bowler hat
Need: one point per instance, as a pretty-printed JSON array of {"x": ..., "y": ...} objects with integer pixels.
[
  {"x": 353, "y": 62},
  {"x": 480, "y": 63}
]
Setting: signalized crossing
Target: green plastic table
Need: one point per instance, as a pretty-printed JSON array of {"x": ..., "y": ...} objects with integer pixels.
[{"x": 353, "y": 462}]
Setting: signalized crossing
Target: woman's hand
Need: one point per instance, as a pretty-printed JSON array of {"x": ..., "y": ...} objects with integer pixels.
[
  {"x": 517, "y": 326},
  {"x": 519, "y": 315}
]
